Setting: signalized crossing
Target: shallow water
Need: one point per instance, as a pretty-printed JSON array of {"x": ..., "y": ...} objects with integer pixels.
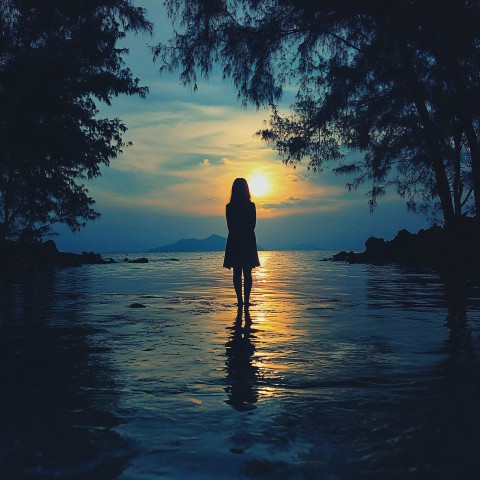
[{"x": 346, "y": 372}]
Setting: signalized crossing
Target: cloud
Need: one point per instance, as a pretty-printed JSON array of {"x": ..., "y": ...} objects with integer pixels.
[
  {"x": 296, "y": 177},
  {"x": 286, "y": 203},
  {"x": 173, "y": 143},
  {"x": 227, "y": 161},
  {"x": 295, "y": 205}
]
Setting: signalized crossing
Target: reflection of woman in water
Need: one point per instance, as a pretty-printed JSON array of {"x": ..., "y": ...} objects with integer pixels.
[
  {"x": 242, "y": 374},
  {"x": 241, "y": 251}
]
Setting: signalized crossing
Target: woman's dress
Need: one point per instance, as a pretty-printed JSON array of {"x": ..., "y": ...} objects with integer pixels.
[{"x": 241, "y": 249}]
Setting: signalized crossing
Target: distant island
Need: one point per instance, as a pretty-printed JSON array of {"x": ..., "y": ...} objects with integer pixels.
[{"x": 213, "y": 243}]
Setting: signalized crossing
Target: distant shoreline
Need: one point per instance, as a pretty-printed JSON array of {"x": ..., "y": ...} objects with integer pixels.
[{"x": 430, "y": 247}]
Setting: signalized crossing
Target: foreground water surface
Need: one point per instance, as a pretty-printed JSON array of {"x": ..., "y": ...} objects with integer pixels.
[{"x": 340, "y": 372}]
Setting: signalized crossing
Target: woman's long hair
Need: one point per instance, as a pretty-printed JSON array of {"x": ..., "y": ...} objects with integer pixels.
[{"x": 240, "y": 191}]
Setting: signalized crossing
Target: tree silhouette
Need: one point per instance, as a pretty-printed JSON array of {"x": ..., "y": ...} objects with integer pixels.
[
  {"x": 58, "y": 61},
  {"x": 396, "y": 81}
]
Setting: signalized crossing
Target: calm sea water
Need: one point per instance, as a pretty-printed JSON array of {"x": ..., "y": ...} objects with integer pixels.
[{"x": 346, "y": 372}]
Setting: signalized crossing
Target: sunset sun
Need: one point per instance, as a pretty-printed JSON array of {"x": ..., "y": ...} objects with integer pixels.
[{"x": 259, "y": 184}]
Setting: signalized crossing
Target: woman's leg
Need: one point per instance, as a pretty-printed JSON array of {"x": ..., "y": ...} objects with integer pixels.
[
  {"x": 247, "y": 279},
  {"x": 237, "y": 283}
]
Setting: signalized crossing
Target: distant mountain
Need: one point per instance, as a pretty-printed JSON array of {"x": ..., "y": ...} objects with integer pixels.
[{"x": 213, "y": 243}]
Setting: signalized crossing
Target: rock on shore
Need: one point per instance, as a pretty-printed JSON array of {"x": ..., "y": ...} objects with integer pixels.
[
  {"x": 433, "y": 247},
  {"x": 41, "y": 255}
]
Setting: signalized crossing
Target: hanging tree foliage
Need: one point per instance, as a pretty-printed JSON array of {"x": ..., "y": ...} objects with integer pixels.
[
  {"x": 396, "y": 81},
  {"x": 57, "y": 61}
]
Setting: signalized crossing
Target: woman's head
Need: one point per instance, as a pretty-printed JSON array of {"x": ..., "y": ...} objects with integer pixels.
[{"x": 240, "y": 191}]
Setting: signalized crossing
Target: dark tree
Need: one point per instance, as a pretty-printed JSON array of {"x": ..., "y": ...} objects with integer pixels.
[
  {"x": 396, "y": 81},
  {"x": 59, "y": 60}
]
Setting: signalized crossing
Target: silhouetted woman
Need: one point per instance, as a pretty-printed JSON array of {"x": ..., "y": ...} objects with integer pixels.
[{"x": 241, "y": 251}]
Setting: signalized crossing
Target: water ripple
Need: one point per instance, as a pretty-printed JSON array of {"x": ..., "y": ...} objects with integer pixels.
[{"x": 342, "y": 371}]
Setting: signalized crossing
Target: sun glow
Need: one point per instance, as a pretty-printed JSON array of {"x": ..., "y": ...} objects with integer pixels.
[{"x": 258, "y": 184}]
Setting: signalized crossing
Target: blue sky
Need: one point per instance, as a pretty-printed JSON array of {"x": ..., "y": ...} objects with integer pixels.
[{"x": 188, "y": 147}]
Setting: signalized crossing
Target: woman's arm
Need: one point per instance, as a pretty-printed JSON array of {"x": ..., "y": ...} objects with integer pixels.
[{"x": 229, "y": 215}]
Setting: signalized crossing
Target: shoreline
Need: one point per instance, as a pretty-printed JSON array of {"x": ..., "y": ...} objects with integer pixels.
[
  {"x": 434, "y": 247},
  {"x": 45, "y": 255}
]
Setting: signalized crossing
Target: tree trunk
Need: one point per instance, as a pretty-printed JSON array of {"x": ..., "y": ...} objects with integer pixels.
[
  {"x": 431, "y": 136},
  {"x": 4, "y": 226},
  {"x": 441, "y": 178},
  {"x": 3, "y": 232},
  {"x": 475, "y": 161},
  {"x": 457, "y": 180},
  {"x": 466, "y": 122}
]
